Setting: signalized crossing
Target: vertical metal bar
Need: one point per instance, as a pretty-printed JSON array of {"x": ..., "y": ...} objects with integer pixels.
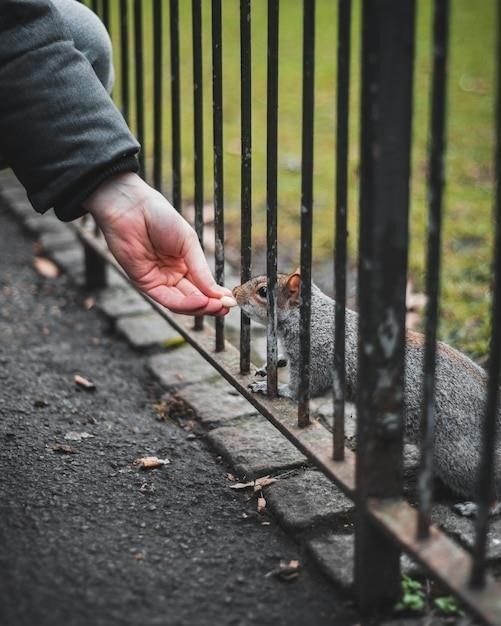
[
  {"x": 95, "y": 269},
  {"x": 486, "y": 486},
  {"x": 106, "y": 14},
  {"x": 435, "y": 194},
  {"x": 95, "y": 265},
  {"x": 246, "y": 173},
  {"x": 124, "y": 58},
  {"x": 217, "y": 109},
  {"x": 139, "y": 65},
  {"x": 271, "y": 195},
  {"x": 157, "y": 93},
  {"x": 387, "y": 78},
  {"x": 343, "y": 102},
  {"x": 217, "y": 78},
  {"x": 303, "y": 415},
  {"x": 175, "y": 104},
  {"x": 95, "y": 6},
  {"x": 198, "y": 127}
]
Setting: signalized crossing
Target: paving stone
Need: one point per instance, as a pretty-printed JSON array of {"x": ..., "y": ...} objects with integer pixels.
[
  {"x": 39, "y": 224},
  {"x": 305, "y": 500},
  {"x": 335, "y": 555},
  {"x": 119, "y": 301},
  {"x": 147, "y": 330},
  {"x": 255, "y": 448},
  {"x": 60, "y": 240},
  {"x": 463, "y": 529},
  {"x": 72, "y": 262},
  {"x": 181, "y": 367},
  {"x": 216, "y": 403},
  {"x": 69, "y": 259},
  {"x": 19, "y": 206}
]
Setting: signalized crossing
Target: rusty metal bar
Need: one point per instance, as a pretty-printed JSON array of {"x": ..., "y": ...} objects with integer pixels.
[
  {"x": 139, "y": 84},
  {"x": 271, "y": 195},
  {"x": 342, "y": 117},
  {"x": 106, "y": 14},
  {"x": 387, "y": 70},
  {"x": 303, "y": 415},
  {"x": 157, "y": 94},
  {"x": 487, "y": 469},
  {"x": 395, "y": 518},
  {"x": 124, "y": 59},
  {"x": 445, "y": 559},
  {"x": 246, "y": 173},
  {"x": 435, "y": 195},
  {"x": 217, "y": 110},
  {"x": 198, "y": 127},
  {"x": 175, "y": 103}
]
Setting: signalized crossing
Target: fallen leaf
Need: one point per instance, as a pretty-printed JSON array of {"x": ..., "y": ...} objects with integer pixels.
[
  {"x": 45, "y": 267},
  {"x": 261, "y": 504},
  {"x": 287, "y": 570},
  {"x": 62, "y": 448},
  {"x": 84, "y": 383},
  {"x": 259, "y": 483},
  {"x": 73, "y": 435},
  {"x": 242, "y": 485},
  {"x": 230, "y": 477},
  {"x": 150, "y": 462},
  {"x": 89, "y": 303}
]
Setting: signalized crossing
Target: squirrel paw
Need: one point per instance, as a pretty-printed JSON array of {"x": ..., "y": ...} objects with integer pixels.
[
  {"x": 284, "y": 391},
  {"x": 259, "y": 387},
  {"x": 470, "y": 509},
  {"x": 263, "y": 370}
]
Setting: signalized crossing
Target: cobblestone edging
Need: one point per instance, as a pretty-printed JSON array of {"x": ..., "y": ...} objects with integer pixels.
[{"x": 305, "y": 503}]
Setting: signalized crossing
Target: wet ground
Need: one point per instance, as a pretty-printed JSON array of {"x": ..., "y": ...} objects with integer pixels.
[{"x": 86, "y": 537}]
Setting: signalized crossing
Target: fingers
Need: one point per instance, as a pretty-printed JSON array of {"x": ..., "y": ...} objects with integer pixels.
[
  {"x": 199, "y": 272},
  {"x": 194, "y": 303}
]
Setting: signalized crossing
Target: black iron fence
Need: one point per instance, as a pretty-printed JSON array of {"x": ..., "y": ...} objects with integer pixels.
[{"x": 385, "y": 523}]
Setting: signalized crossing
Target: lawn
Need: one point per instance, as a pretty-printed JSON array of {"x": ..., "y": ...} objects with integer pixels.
[{"x": 468, "y": 226}]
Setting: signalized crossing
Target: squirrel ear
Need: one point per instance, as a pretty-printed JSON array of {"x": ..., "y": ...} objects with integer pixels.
[{"x": 294, "y": 285}]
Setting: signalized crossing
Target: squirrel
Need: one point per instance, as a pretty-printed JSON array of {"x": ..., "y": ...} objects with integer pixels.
[{"x": 460, "y": 383}]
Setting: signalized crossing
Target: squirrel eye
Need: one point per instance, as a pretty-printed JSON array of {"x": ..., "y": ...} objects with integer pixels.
[{"x": 262, "y": 292}]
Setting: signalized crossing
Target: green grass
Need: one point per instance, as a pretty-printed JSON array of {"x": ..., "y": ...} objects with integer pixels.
[{"x": 468, "y": 226}]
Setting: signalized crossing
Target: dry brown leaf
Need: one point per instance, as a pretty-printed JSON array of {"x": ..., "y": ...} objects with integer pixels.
[
  {"x": 45, "y": 267},
  {"x": 242, "y": 485},
  {"x": 73, "y": 435},
  {"x": 89, "y": 303},
  {"x": 150, "y": 462},
  {"x": 259, "y": 483},
  {"x": 287, "y": 570},
  {"x": 85, "y": 383},
  {"x": 230, "y": 477},
  {"x": 261, "y": 504}
]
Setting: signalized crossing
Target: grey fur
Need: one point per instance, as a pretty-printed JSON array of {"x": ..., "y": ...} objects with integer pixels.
[{"x": 460, "y": 385}]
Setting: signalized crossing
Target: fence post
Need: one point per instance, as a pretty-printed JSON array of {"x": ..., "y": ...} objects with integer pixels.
[
  {"x": 387, "y": 72},
  {"x": 95, "y": 269}
]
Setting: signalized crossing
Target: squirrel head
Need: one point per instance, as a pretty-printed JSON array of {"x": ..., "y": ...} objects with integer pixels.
[{"x": 252, "y": 296}]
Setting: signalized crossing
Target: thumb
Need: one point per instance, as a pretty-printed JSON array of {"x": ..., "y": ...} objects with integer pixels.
[{"x": 199, "y": 271}]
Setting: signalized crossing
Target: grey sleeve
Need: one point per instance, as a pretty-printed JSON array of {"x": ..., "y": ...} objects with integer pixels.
[{"x": 59, "y": 129}]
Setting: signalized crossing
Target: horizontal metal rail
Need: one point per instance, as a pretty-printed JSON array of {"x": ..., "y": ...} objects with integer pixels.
[{"x": 438, "y": 554}]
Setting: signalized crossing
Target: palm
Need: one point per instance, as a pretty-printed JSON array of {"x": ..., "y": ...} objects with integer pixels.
[{"x": 161, "y": 254}]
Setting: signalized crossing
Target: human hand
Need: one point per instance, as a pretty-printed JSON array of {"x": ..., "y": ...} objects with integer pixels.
[{"x": 156, "y": 247}]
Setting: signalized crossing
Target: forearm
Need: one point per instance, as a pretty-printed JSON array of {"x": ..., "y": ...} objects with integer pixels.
[{"x": 60, "y": 131}]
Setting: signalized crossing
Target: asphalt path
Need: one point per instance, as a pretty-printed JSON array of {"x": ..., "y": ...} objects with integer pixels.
[{"x": 87, "y": 538}]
